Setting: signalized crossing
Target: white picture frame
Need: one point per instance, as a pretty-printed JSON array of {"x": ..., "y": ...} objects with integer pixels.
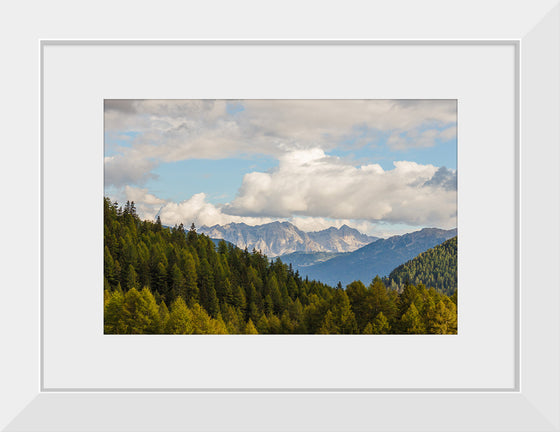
[{"x": 532, "y": 404}]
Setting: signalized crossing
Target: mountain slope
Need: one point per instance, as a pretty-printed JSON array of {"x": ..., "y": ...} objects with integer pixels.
[
  {"x": 279, "y": 238},
  {"x": 377, "y": 258},
  {"x": 437, "y": 267},
  {"x": 300, "y": 259}
]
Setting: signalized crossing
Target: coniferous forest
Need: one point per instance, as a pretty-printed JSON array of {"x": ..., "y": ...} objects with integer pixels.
[
  {"x": 160, "y": 280},
  {"x": 437, "y": 267}
]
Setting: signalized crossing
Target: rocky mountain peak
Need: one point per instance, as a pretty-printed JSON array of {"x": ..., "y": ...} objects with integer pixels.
[{"x": 279, "y": 238}]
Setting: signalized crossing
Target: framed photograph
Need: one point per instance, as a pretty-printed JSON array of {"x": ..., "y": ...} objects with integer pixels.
[
  {"x": 280, "y": 217},
  {"x": 134, "y": 319}
]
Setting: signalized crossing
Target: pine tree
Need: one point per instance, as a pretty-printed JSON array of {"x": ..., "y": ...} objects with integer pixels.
[
  {"x": 407, "y": 297},
  {"x": 329, "y": 326},
  {"x": 131, "y": 278},
  {"x": 212, "y": 305},
  {"x": 178, "y": 284},
  {"x": 113, "y": 315},
  {"x": 250, "y": 328},
  {"x": 378, "y": 298},
  {"x": 368, "y": 329},
  {"x": 202, "y": 323},
  {"x": 262, "y": 324},
  {"x": 149, "y": 310},
  {"x": 268, "y": 305},
  {"x": 252, "y": 297},
  {"x": 188, "y": 268},
  {"x": 218, "y": 326},
  {"x": 109, "y": 267},
  {"x": 441, "y": 318},
  {"x": 274, "y": 324},
  {"x": 381, "y": 324},
  {"x": 163, "y": 317},
  {"x": 180, "y": 318},
  {"x": 118, "y": 273},
  {"x": 192, "y": 237},
  {"x": 357, "y": 294},
  {"x": 287, "y": 324},
  {"x": 411, "y": 321},
  {"x": 233, "y": 319},
  {"x": 343, "y": 318},
  {"x": 239, "y": 300},
  {"x": 141, "y": 313},
  {"x": 159, "y": 280},
  {"x": 206, "y": 284},
  {"x": 228, "y": 292}
]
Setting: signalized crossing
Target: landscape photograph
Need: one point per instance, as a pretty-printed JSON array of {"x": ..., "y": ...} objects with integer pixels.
[{"x": 270, "y": 217}]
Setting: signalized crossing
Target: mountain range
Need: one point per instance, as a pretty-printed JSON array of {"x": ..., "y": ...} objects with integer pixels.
[
  {"x": 377, "y": 258},
  {"x": 280, "y": 238}
]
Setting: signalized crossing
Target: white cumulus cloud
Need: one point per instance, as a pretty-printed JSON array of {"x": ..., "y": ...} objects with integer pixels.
[{"x": 310, "y": 183}]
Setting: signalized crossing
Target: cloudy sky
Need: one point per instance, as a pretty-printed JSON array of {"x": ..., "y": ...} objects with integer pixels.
[{"x": 382, "y": 166}]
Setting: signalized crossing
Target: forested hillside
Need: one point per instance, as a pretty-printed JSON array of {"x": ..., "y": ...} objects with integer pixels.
[
  {"x": 377, "y": 258},
  {"x": 437, "y": 267},
  {"x": 160, "y": 280}
]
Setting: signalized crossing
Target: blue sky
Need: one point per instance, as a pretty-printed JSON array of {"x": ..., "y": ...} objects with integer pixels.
[
  {"x": 374, "y": 165},
  {"x": 218, "y": 178}
]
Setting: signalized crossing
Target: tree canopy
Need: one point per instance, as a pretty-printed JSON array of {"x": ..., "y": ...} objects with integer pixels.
[{"x": 160, "y": 280}]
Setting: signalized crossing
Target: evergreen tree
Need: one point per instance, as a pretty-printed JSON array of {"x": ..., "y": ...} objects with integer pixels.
[
  {"x": 287, "y": 324},
  {"x": 411, "y": 321},
  {"x": 109, "y": 268},
  {"x": 131, "y": 278},
  {"x": 206, "y": 284},
  {"x": 378, "y": 299},
  {"x": 159, "y": 280},
  {"x": 328, "y": 326},
  {"x": 140, "y": 311},
  {"x": 357, "y": 294},
  {"x": 178, "y": 284},
  {"x": 442, "y": 318},
  {"x": 202, "y": 322},
  {"x": 148, "y": 309},
  {"x": 188, "y": 268},
  {"x": 180, "y": 318},
  {"x": 192, "y": 237},
  {"x": 262, "y": 324},
  {"x": 218, "y": 326},
  {"x": 239, "y": 300},
  {"x": 212, "y": 305},
  {"x": 274, "y": 324},
  {"x": 250, "y": 328},
  {"x": 233, "y": 319},
  {"x": 163, "y": 317},
  {"x": 114, "y": 314},
  {"x": 381, "y": 324},
  {"x": 368, "y": 329},
  {"x": 344, "y": 319}
]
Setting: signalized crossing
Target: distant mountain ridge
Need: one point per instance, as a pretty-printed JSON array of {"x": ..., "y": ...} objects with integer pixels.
[
  {"x": 377, "y": 258},
  {"x": 279, "y": 238},
  {"x": 305, "y": 259}
]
